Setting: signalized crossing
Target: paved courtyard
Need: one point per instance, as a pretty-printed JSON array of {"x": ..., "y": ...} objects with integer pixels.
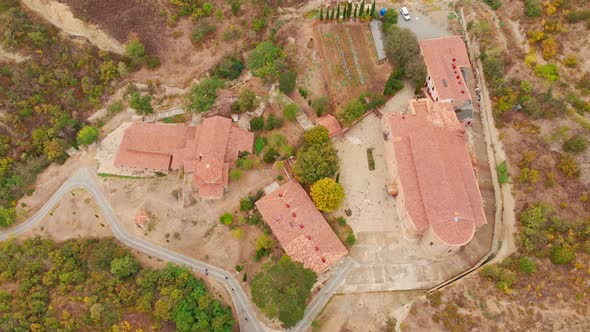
[{"x": 386, "y": 261}]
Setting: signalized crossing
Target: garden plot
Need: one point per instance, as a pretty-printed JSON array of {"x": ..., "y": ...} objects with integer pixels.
[{"x": 349, "y": 60}]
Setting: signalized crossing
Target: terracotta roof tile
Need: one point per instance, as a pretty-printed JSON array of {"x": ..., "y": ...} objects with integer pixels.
[
  {"x": 435, "y": 171},
  {"x": 331, "y": 123},
  {"x": 207, "y": 150},
  {"x": 301, "y": 229},
  {"x": 443, "y": 57}
]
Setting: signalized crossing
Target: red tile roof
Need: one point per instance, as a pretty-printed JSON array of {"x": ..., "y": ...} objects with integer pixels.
[
  {"x": 443, "y": 57},
  {"x": 331, "y": 123},
  {"x": 435, "y": 171},
  {"x": 301, "y": 229},
  {"x": 208, "y": 150}
]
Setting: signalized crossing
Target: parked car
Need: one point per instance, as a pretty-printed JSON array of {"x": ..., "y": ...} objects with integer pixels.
[{"x": 405, "y": 13}]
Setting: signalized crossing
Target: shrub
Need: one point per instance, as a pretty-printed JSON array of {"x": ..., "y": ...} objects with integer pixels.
[
  {"x": 561, "y": 255},
  {"x": 115, "y": 107},
  {"x": 526, "y": 265},
  {"x": 287, "y": 82},
  {"x": 203, "y": 94},
  {"x": 290, "y": 112},
  {"x": 226, "y": 218},
  {"x": 267, "y": 61},
  {"x": 389, "y": 19},
  {"x": 549, "y": 72},
  {"x": 235, "y": 174},
  {"x": 502, "y": 170},
  {"x": 201, "y": 29},
  {"x": 570, "y": 61},
  {"x": 327, "y": 194},
  {"x": 246, "y": 204},
  {"x": 142, "y": 104},
  {"x": 575, "y": 144},
  {"x": 533, "y": 221},
  {"x": 270, "y": 156},
  {"x": 341, "y": 221},
  {"x": 320, "y": 105},
  {"x": 259, "y": 144},
  {"x": 273, "y": 122},
  {"x": 230, "y": 67},
  {"x": 568, "y": 166},
  {"x": 7, "y": 216},
  {"x": 549, "y": 47},
  {"x": 394, "y": 84},
  {"x": 529, "y": 175},
  {"x": 246, "y": 102},
  {"x": 135, "y": 49},
  {"x": 125, "y": 266},
  {"x": 351, "y": 239},
  {"x": 494, "y": 4},
  {"x": 317, "y": 159},
  {"x": 152, "y": 62},
  {"x": 533, "y": 8},
  {"x": 578, "y": 16},
  {"x": 352, "y": 112},
  {"x": 257, "y": 123},
  {"x": 499, "y": 274},
  {"x": 87, "y": 135}
]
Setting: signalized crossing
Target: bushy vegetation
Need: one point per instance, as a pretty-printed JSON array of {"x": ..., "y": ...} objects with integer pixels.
[
  {"x": 549, "y": 71},
  {"x": 87, "y": 135},
  {"x": 43, "y": 100},
  {"x": 503, "y": 277},
  {"x": 494, "y": 4},
  {"x": 287, "y": 81},
  {"x": 394, "y": 83},
  {"x": 203, "y": 94},
  {"x": 89, "y": 284},
  {"x": 327, "y": 194},
  {"x": 230, "y": 67},
  {"x": 317, "y": 158},
  {"x": 533, "y": 8},
  {"x": 561, "y": 255},
  {"x": 201, "y": 29},
  {"x": 575, "y": 144},
  {"x": 246, "y": 102},
  {"x": 141, "y": 104},
  {"x": 282, "y": 290},
  {"x": 502, "y": 169},
  {"x": 290, "y": 112},
  {"x": 527, "y": 265},
  {"x": 267, "y": 61},
  {"x": 320, "y": 105}
]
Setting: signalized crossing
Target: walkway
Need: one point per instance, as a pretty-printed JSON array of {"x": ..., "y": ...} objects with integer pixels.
[{"x": 248, "y": 321}]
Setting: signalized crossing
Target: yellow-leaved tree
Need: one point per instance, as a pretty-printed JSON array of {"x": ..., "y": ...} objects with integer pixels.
[{"x": 327, "y": 194}]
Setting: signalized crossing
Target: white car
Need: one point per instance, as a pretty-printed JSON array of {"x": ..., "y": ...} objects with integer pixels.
[{"x": 405, "y": 13}]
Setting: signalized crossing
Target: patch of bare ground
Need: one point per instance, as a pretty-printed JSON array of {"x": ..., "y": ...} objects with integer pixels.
[
  {"x": 552, "y": 299},
  {"x": 376, "y": 311}
]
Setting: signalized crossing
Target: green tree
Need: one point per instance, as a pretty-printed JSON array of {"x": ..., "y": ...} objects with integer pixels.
[
  {"x": 135, "y": 49},
  {"x": 246, "y": 102},
  {"x": 317, "y": 159},
  {"x": 7, "y": 216},
  {"x": 373, "y": 9},
  {"x": 327, "y": 194},
  {"x": 267, "y": 61},
  {"x": 287, "y": 82},
  {"x": 230, "y": 67},
  {"x": 87, "y": 135},
  {"x": 226, "y": 218},
  {"x": 282, "y": 290},
  {"x": 203, "y": 94},
  {"x": 403, "y": 51},
  {"x": 257, "y": 123},
  {"x": 352, "y": 112},
  {"x": 355, "y": 11},
  {"x": 141, "y": 104},
  {"x": 264, "y": 245},
  {"x": 362, "y": 12},
  {"x": 533, "y": 8},
  {"x": 526, "y": 265},
  {"x": 338, "y": 12},
  {"x": 389, "y": 19},
  {"x": 321, "y": 13},
  {"x": 124, "y": 267}
]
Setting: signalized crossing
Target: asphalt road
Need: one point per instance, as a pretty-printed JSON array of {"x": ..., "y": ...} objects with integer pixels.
[{"x": 248, "y": 321}]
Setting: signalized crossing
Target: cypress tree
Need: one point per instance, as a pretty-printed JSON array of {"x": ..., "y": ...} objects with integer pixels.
[
  {"x": 355, "y": 10},
  {"x": 321, "y": 13},
  {"x": 332, "y": 16},
  {"x": 362, "y": 9},
  {"x": 338, "y": 12},
  {"x": 373, "y": 9},
  {"x": 349, "y": 9}
]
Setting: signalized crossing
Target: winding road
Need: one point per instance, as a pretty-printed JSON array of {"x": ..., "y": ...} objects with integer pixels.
[{"x": 248, "y": 321}]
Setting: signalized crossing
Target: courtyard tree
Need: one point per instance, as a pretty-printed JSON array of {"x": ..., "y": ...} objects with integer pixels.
[
  {"x": 327, "y": 194},
  {"x": 282, "y": 290},
  {"x": 403, "y": 51},
  {"x": 317, "y": 159},
  {"x": 203, "y": 94},
  {"x": 246, "y": 102},
  {"x": 267, "y": 61},
  {"x": 87, "y": 135}
]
